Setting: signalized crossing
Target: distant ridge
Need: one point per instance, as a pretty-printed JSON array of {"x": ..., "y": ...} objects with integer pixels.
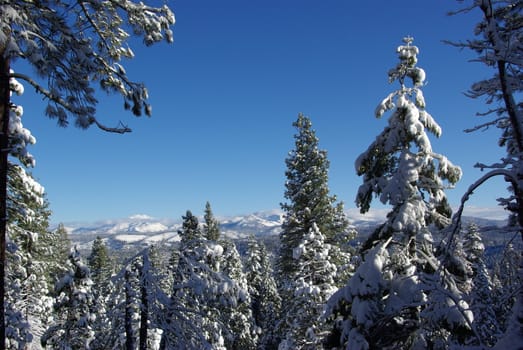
[{"x": 143, "y": 230}]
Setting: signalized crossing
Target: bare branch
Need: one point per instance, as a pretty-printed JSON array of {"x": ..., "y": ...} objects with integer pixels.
[
  {"x": 121, "y": 129},
  {"x": 483, "y": 126},
  {"x": 456, "y": 219}
]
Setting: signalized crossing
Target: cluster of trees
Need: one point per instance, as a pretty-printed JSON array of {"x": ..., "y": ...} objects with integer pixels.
[{"x": 420, "y": 281}]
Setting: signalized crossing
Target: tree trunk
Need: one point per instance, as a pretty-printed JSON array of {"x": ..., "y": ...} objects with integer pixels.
[
  {"x": 144, "y": 307},
  {"x": 129, "y": 336},
  {"x": 4, "y": 143}
]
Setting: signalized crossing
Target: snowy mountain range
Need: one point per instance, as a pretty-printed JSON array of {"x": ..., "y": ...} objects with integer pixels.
[{"x": 142, "y": 230}]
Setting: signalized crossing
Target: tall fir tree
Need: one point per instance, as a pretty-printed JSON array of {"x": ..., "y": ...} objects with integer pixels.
[
  {"x": 309, "y": 207},
  {"x": 307, "y": 194},
  {"x": 387, "y": 302}
]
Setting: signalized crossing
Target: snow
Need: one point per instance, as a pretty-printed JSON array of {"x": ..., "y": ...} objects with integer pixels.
[
  {"x": 140, "y": 217},
  {"x": 130, "y": 238},
  {"x": 140, "y": 227}
]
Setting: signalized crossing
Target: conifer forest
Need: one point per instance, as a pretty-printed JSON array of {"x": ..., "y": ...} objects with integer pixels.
[{"x": 420, "y": 280}]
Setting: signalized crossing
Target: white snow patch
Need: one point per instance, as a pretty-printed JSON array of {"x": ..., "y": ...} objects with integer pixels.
[
  {"x": 150, "y": 227},
  {"x": 167, "y": 236},
  {"x": 140, "y": 217},
  {"x": 130, "y": 238}
]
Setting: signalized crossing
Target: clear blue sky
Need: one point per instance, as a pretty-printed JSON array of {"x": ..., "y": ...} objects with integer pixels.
[{"x": 226, "y": 93}]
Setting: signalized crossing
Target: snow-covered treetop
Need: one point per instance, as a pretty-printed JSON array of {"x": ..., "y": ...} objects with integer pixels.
[
  {"x": 408, "y": 56},
  {"x": 75, "y": 45},
  {"x": 400, "y": 166}
]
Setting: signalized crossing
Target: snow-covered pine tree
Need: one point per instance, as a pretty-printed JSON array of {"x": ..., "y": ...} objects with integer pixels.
[
  {"x": 265, "y": 299},
  {"x": 507, "y": 281},
  {"x": 384, "y": 302},
  {"x": 191, "y": 318},
  {"x": 102, "y": 269},
  {"x": 313, "y": 284},
  {"x": 400, "y": 166},
  {"x": 26, "y": 301},
  {"x": 27, "y": 286},
  {"x": 134, "y": 293},
  {"x": 308, "y": 203},
  {"x": 211, "y": 226},
  {"x": 498, "y": 45},
  {"x": 481, "y": 297},
  {"x": 237, "y": 318},
  {"x": 74, "y": 308}
]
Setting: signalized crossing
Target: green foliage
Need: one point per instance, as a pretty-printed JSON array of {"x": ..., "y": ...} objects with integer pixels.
[
  {"x": 307, "y": 195},
  {"x": 265, "y": 299},
  {"x": 190, "y": 228},
  {"x": 75, "y": 314},
  {"x": 100, "y": 264},
  {"x": 211, "y": 227}
]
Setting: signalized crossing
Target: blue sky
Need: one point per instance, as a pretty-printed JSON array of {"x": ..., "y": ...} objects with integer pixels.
[{"x": 226, "y": 93}]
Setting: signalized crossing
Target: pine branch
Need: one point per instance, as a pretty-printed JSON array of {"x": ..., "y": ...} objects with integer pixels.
[{"x": 122, "y": 129}]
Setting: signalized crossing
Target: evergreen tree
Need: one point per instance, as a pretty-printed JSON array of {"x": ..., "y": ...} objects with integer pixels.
[
  {"x": 101, "y": 269},
  {"x": 313, "y": 284},
  {"x": 307, "y": 193},
  {"x": 265, "y": 299},
  {"x": 72, "y": 328},
  {"x": 387, "y": 303},
  {"x": 199, "y": 290},
  {"x": 27, "y": 302},
  {"x": 190, "y": 232},
  {"x": 58, "y": 249},
  {"x": 100, "y": 265},
  {"x": 211, "y": 227},
  {"x": 237, "y": 318},
  {"x": 507, "y": 281},
  {"x": 123, "y": 308},
  {"x": 481, "y": 295}
]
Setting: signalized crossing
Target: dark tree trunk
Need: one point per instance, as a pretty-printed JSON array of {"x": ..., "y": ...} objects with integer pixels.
[
  {"x": 129, "y": 336},
  {"x": 4, "y": 143},
  {"x": 144, "y": 308}
]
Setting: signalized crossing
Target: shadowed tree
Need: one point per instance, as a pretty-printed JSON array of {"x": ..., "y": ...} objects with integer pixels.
[{"x": 498, "y": 44}]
